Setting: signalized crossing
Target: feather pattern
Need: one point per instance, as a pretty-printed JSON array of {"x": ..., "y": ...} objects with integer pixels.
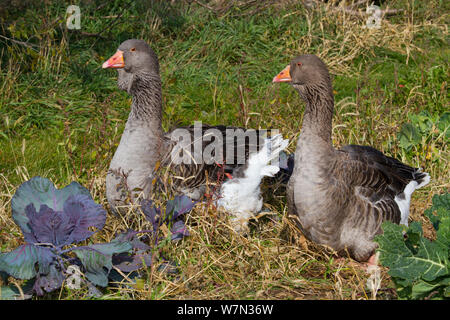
[{"x": 211, "y": 168}]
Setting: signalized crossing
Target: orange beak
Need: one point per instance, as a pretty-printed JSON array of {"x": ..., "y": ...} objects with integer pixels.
[
  {"x": 116, "y": 61},
  {"x": 283, "y": 76}
]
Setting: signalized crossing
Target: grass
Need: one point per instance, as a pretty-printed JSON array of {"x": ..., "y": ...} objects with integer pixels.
[{"x": 61, "y": 116}]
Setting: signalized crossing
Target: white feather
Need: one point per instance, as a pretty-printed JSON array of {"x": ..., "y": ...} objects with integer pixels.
[
  {"x": 403, "y": 204},
  {"x": 242, "y": 196}
]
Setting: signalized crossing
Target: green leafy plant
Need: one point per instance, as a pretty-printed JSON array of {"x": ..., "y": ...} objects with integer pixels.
[
  {"x": 53, "y": 221},
  {"x": 423, "y": 131},
  {"x": 419, "y": 267}
]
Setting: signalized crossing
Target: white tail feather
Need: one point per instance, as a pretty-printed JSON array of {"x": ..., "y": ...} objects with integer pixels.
[
  {"x": 403, "y": 204},
  {"x": 270, "y": 171},
  {"x": 241, "y": 196}
]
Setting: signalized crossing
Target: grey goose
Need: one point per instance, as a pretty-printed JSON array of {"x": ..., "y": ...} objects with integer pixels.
[
  {"x": 340, "y": 197},
  {"x": 144, "y": 149}
]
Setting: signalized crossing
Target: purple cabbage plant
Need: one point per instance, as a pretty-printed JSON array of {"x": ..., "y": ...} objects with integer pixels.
[
  {"x": 171, "y": 216},
  {"x": 53, "y": 221}
]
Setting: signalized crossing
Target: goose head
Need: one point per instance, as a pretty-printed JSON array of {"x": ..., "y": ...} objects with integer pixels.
[
  {"x": 306, "y": 73},
  {"x": 133, "y": 59}
]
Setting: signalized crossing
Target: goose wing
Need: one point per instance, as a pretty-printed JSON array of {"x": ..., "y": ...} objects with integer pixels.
[
  {"x": 197, "y": 154},
  {"x": 378, "y": 180}
]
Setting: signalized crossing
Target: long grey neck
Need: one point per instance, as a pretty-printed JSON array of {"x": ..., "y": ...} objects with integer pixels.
[
  {"x": 141, "y": 144},
  {"x": 141, "y": 141},
  {"x": 318, "y": 115},
  {"x": 146, "y": 108}
]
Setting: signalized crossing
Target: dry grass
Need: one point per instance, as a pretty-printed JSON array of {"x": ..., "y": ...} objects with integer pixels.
[
  {"x": 272, "y": 261},
  {"x": 351, "y": 38}
]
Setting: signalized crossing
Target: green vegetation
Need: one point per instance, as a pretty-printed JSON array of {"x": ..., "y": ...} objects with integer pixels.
[
  {"x": 419, "y": 267},
  {"x": 61, "y": 117}
]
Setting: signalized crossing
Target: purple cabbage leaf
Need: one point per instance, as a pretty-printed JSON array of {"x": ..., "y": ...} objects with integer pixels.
[
  {"x": 141, "y": 257},
  {"x": 52, "y": 222},
  {"x": 70, "y": 225},
  {"x": 20, "y": 263},
  {"x": 97, "y": 259},
  {"x": 40, "y": 191},
  {"x": 152, "y": 213},
  {"x": 171, "y": 216},
  {"x": 178, "y": 206},
  {"x": 179, "y": 231},
  {"x": 49, "y": 281}
]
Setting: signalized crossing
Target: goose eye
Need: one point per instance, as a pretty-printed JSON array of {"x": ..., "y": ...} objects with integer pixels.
[
  {"x": 299, "y": 64},
  {"x": 133, "y": 49}
]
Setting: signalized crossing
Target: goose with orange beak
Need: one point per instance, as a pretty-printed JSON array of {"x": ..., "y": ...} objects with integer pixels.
[
  {"x": 340, "y": 197},
  {"x": 145, "y": 151}
]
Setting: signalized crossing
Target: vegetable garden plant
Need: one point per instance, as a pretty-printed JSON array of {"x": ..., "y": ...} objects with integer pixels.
[{"x": 55, "y": 221}]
